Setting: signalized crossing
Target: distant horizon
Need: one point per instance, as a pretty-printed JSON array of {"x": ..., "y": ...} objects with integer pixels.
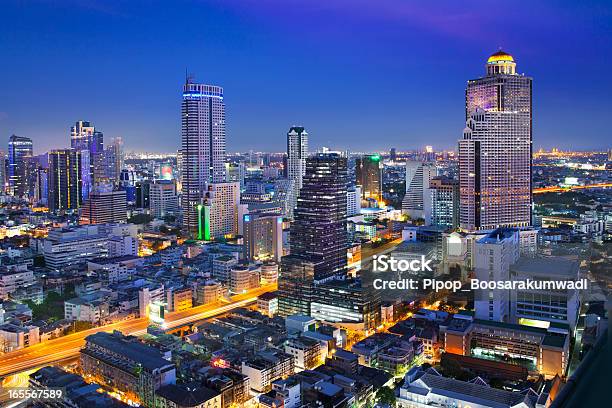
[{"x": 392, "y": 75}]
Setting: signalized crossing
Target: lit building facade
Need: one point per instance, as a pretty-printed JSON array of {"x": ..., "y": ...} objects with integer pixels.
[
  {"x": 104, "y": 207},
  {"x": 65, "y": 185},
  {"x": 18, "y": 149},
  {"x": 263, "y": 237},
  {"x": 163, "y": 198},
  {"x": 418, "y": 177},
  {"x": 442, "y": 207},
  {"x": 318, "y": 235},
  {"x": 203, "y": 146},
  {"x": 297, "y": 152},
  {"x": 495, "y": 152},
  {"x": 368, "y": 171}
]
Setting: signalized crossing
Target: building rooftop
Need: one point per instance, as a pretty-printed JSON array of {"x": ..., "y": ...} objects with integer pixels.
[
  {"x": 474, "y": 392},
  {"x": 149, "y": 357},
  {"x": 497, "y": 235},
  {"x": 547, "y": 267},
  {"x": 186, "y": 396}
]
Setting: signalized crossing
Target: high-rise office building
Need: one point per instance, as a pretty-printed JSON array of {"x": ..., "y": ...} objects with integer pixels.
[
  {"x": 203, "y": 146},
  {"x": 495, "y": 152},
  {"x": 113, "y": 161},
  {"x": 418, "y": 177},
  {"x": 297, "y": 151},
  {"x": 65, "y": 184},
  {"x": 368, "y": 171},
  {"x": 3, "y": 180},
  {"x": 18, "y": 149},
  {"x": 83, "y": 136},
  {"x": 90, "y": 142},
  {"x": 318, "y": 236},
  {"x": 104, "y": 207},
  {"x": 163, "y": 198},
  {"x": 442, "y": 206},
  {"x": 263, "y": 237}
]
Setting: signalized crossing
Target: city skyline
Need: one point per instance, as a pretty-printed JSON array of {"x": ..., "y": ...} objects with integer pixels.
[{"x": 415, "y": 102}]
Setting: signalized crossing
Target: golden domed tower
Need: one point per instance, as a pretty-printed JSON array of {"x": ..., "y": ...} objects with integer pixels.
[{"x": 501, "y": 63}]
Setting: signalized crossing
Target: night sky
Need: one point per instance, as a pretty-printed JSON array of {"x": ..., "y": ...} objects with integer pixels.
[{"x": 359, "y": 74}]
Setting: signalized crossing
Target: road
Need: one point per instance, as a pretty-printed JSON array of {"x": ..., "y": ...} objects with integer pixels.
[
  {"x": 367, "y": 252},
  {"x": 557, "y": 189},
  {"x": 68, "y": 346}
]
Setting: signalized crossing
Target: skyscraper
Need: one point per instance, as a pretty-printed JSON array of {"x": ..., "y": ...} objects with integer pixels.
[
  {"x": 64, "y": 186},
  {"x": 18, "y": 149},
  {"x": 495, "y": 152},
  {"x": 297, "y": 151},
  {"x": 203, "y": 146},
  {"x": 368, "y": 170},
  {"x": 163, "y": 198},
  {"x": 113, "y": 161},
  {"x": 85, "y": 138},
  {"x": 418, "y": 177},
  {"x": 318, "y": 236}
]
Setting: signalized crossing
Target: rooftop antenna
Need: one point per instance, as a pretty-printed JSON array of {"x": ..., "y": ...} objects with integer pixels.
[{"x": 188, "y": 77}]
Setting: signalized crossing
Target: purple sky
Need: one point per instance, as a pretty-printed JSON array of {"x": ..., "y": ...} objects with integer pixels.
[{"x": 359, "y": 74}]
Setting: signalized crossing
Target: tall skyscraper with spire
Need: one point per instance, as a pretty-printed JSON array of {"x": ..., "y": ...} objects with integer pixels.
[
  {"x": 318, "y": 236},
  {"x": 297, "y": 152},
  {"x": 203, "y": 146},
  {"x": 495, "y": 152}
]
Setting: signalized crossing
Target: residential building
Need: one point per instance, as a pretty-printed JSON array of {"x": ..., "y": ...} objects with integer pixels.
[
  {"x": 86, "y": 309},
  {"x": 267, "y": 304},
  {"x": 218, "y": 213},
  {"x": 266, "y": 367},
  {"x": 306, "y": 352},
  {"x": 263, "y": 237}
]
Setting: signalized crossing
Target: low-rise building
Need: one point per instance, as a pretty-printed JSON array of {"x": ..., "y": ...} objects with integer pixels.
[
  {"x": 86, "y": 309},
  {"x": 266, "y": 367},
  {"x": 543, "y": 351},
  {"x": 427, "y": 388},
  {"x": 306, "y": 352},
  {"x": 267, "y": 304},
  {"x": 127, "y": 365}
]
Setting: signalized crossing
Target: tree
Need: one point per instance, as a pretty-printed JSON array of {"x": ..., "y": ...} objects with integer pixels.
[{"x": 386, "y": 396}]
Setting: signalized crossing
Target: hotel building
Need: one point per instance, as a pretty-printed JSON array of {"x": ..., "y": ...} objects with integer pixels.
[{"x": 495, "y": 152}]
